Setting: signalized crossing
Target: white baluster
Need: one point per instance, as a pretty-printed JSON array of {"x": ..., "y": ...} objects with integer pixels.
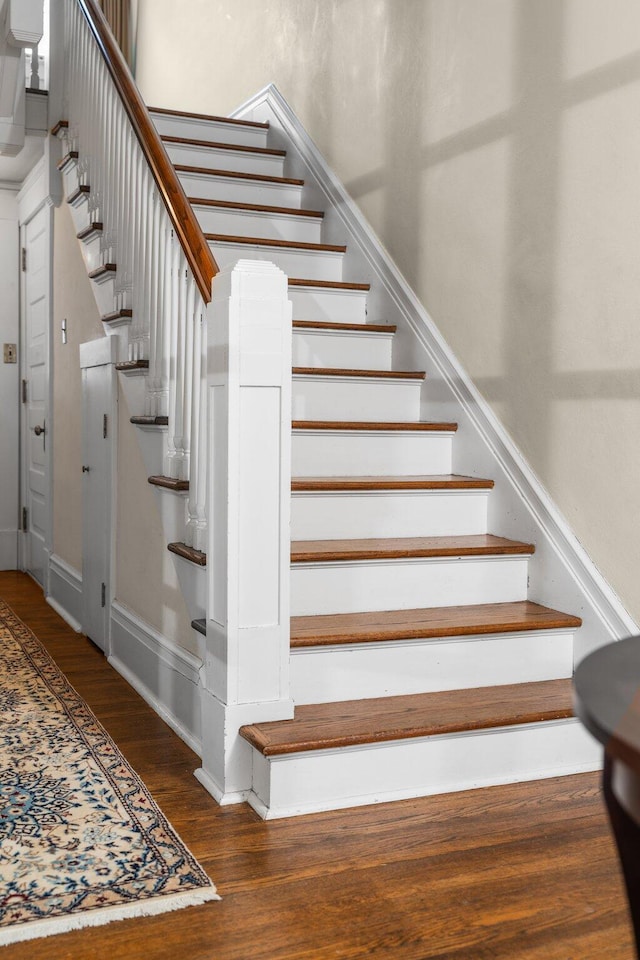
[
  {"x": 34, "y": 81},
  {"x": 190, "y": 298},
  {"x": 153, "y": 287},
  {"x": 173, "y": 444},
  {"x": 166, "y": 303},
  {"x": 198, "y": 470}
]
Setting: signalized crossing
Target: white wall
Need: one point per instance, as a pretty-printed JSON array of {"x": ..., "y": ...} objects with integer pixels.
[
  {"x": 494, "y": 145},
  {"x": 9, "y": 381}
]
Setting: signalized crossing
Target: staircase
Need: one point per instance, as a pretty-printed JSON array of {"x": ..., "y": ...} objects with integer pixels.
[{"x": 419, "y": 663}]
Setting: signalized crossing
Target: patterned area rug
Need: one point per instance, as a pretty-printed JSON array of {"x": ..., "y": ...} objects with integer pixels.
[{"x": 81, "y": 840}]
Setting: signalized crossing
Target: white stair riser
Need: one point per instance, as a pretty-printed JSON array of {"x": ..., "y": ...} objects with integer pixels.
[
  {"x": 135, "y": 391},
  {"x": 376, "y": 773},
  {"x": 210, "y": 187},
  {"x": 237, "y": 160},
  {"x": 92, "y": 253},
  {"x": 210, "y": 130},
  {"x": 172, "y": 507},
  {"x": 104, "y": 294},
  {"x": 327, "y": 453},
  {"x": 336, "y": 306},
  {"x": 325, "y": 348},
  {"x": 401, "y": 584},
  {"x": 70, "y": 178},
  {"x": 355, "y": 398},
  {"x": 152, "y": 443},
  {"x": 295, "y": 263},
  {"x": 83, "y": 211},
  {"x": 193, "y": 584},
  {"x": 360, "y": 671},
  {"x": 386, "y": 513},
  {"x": 251, "y": 223},
  {"x": 79, "y": 211}
]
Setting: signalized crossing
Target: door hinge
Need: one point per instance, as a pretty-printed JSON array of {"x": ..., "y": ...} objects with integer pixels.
[
  {"x": 103, "y": 595},
  {"x": 24, "y": 519},
  {"x": 24, "y": 391},
  {"x": 105, "y": 426},
  {"x": 24, "y": 259}
]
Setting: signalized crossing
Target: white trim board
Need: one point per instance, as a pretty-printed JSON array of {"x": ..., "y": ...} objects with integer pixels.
[
  {"x": 65, "y": 591},
  {"x": 164, "y": 674},
  {"x": 561, "y": 573}
]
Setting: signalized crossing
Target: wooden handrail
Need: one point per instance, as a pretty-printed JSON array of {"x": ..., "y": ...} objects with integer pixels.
[{"x": 185, "y": 224}]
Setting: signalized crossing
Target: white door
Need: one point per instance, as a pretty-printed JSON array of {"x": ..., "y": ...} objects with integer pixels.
[
  {"x": 35, "y": 393},
  {"x": 98, "y": 430}
]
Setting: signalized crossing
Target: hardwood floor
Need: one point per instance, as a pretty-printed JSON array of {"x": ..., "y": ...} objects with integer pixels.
[{"x": 523, "y": 872}]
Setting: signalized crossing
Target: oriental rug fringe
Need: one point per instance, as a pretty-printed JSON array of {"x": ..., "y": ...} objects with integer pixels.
[{"x": 82, "y": 842}]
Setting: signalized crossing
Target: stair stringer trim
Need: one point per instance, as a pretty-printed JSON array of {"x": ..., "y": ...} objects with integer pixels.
[{"x": 561, "y": 573}]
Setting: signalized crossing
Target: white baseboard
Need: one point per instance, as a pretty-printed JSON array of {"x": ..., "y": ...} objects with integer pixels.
[
  {"x": 65, "y": 591},
  {"x": 164, "y": 674},
  {"x": 562, "y": 574},
  {"x": 8, "y": 549},
  {"x": 224, "y": 799}
]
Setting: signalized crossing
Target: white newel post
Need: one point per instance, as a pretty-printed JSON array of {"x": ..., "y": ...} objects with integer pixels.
[{"x": 246, "y": 671}]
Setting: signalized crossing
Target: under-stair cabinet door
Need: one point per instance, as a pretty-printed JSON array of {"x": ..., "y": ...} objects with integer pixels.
[{"x": 98, "y": 435}]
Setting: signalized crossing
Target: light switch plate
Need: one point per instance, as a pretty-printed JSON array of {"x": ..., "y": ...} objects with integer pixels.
[{"x": 10, "y": 353}]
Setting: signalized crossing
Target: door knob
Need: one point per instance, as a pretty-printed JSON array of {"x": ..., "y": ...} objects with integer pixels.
[
  {"x": 85, "y": 469},
  {"x": 38, "y": 430}
]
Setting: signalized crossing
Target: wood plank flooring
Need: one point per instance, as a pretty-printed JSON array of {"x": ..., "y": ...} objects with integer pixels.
[{"x": 522, "y": 872}]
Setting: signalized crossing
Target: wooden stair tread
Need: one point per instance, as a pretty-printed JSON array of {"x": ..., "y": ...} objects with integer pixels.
[
  {"x": 357, "y": 327},
  {"x": 132, "y": 365},
  {"x": 94, "y": 227},
  {"x": 101, "y": 271},
  {"x": 206, "y": 116},
  {"x": 331, "y": 725},
  {"x": 427, "y": 482},
  {"x": 328, "y": 284},
  {"x": 396, "y": 548},
  {"x": 255, "y": 207},
  {"x": 237, "y": 174},
  {"x": 464, "y": 621},
  {"x": 200, "y": 626},
  {"x": 268, "y": 242},
  {"x": 347, "y": 372},
  {"x": 123, "y": 314},
  {"x": 188, "y": 553},
  {"x": 67, "y": 159},
  {"x": 169, "y": 483},
  {"x": 423, "y": 426},
  {"x": 81, "y": 190},
  {"x": 217, "y": 145},
  {"x": 60, "y": 125},
  {"x": 143, "y": 421}
]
